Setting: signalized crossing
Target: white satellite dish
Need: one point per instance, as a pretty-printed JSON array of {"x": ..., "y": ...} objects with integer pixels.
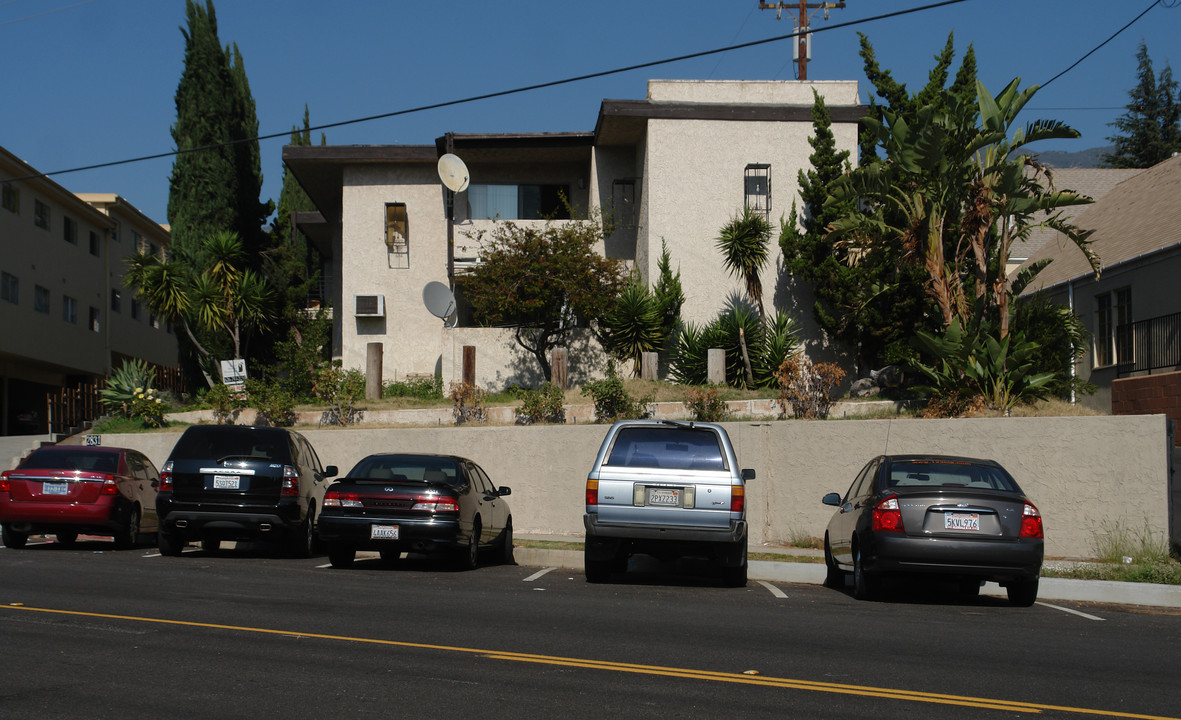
[
  {"x": 440, "y": 301},
  {"x": 453, "y": 172}
]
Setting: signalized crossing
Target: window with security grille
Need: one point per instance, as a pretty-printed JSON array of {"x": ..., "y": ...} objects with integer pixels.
[{"x": 757, "y": 187}]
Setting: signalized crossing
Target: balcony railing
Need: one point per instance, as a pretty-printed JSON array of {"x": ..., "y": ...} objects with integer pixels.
[{"x": 1155, "y": 343}]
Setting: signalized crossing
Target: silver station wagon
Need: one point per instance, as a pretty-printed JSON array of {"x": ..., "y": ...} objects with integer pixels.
[{"x": 667, "y": 489}]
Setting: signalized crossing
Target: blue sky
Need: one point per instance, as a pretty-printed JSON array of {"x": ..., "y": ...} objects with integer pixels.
[{"x": 93, "y": 81}]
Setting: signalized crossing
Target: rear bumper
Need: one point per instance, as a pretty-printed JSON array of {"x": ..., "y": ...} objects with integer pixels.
[
  {"x": 106, "y": 514},
  {"x": 414, "y": 535},
  {"x": 605, "y": 541},
  {"x": 996, "y": 560},
  {"x": 193, "y": 525}
]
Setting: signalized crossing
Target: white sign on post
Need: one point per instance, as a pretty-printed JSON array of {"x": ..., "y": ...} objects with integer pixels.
[{"x": 233, "y": 373}]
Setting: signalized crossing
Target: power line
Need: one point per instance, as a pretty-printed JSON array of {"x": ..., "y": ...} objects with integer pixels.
[
  {"x": 43, "y": 14},
  {"x": 1096, "y": 48},
  {"x": 501, "y": 93}
]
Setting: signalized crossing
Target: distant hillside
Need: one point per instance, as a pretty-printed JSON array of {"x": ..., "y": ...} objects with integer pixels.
[{"x": 1082, "y": 159}]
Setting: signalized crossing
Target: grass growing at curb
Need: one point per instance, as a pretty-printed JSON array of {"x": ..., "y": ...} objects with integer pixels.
[{"x": 1163, "y": 572}]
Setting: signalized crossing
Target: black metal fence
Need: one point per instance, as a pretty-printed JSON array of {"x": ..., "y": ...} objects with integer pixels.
[{"x": 1154, "y": 344}]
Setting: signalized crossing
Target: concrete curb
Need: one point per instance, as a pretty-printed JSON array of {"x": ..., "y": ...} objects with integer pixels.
[{"x": 1098, "y": 591}]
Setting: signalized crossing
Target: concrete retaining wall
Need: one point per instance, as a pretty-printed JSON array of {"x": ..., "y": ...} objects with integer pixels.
[{"x": 1086, "y": 474}]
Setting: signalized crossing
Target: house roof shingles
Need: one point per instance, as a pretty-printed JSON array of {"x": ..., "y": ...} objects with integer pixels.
[{"x": 1140, "y": 215}]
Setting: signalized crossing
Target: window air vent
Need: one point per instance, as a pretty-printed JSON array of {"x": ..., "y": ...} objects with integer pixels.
[{"x": 369, "y": 305}]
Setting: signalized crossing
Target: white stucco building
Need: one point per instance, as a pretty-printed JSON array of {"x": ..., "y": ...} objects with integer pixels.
[
  {"x": 676, "y": 166},
  {"x": 65, "y": 315}
]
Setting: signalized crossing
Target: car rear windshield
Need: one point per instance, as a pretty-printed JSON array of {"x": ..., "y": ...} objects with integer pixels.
[
  {"x": 213, "y": 444},
  {"x": 678, "y": 448},
  {"x": 949, "y": 473},
  {"x": 103, "y": 462},
  {"x": 407, "y": 468}
]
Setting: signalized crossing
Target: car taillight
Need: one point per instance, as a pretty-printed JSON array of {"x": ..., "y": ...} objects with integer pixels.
[
  {"x": 887, "y": 515},
  {"x": 436, "y": 503},
  {"x": 336, "y": 498},
  {"x": 737, "y": 498},
  {"x": 5, "y": 484},
  {"x": 592, "y": 493},
  {"x": 166, "y": 477},
  {"x": 290, "y": 481},
  {"x": 109, "y": 486},
  {"x": 1031, "y": 522}
]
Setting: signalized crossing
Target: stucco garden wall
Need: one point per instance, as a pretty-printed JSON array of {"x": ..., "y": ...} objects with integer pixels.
[{"x": 1084, "y": 473}]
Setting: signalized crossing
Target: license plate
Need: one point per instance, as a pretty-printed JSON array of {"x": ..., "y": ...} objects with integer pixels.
[
  {"x": 665, "y": 497},
  {"x": 961, "y": 521},
  {"x": 383, "y": 532},
  {"x": 55, "y": 488},
  {"x": 226, "y": 482}
]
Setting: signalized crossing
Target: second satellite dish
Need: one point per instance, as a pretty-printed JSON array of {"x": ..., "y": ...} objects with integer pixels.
[
  {"x": 439, "y": 300},
  {"x": 453, "y": 172}
]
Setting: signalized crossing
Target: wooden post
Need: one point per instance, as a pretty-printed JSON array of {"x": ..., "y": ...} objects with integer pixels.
[
  {"x": 716, "y": 366},
  {"x": 469, "y": 364},
  {"x": 649, "y": 366},
  {"x": 374, "y": 352},
  {"x": 559, "y": 357}
]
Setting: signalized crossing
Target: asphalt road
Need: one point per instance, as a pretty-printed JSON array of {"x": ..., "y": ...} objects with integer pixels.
[{"x": 91, "y": 632}]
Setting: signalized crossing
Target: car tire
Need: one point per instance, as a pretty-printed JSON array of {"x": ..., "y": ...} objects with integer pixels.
[
  {"x": 970, "y": 588},
  {"x": 391, "y": 557},
  {"x": 506, "y": 544},
  {"x": 12, "y": 538},
  {"x": 66, "y": 538},
  {"x": 834, "y": 577},
  {"x": 342, "y": 556},
  {"x": 170, "y": 545},
  {"x": 735, "y": 575},
  {"x": 596, "y": 571},
  {"x": 210, "y": 545},
  {"x": 128, "y": 536},
  {"x": 299, "y": 542},
  {"x": 469, "y": 555},
  {"x": 1022, "y": 593},
  {"x": 865, "y": 585}
]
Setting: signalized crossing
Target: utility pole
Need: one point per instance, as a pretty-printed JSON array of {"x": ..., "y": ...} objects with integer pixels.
[{"x": 803, "y": 47}]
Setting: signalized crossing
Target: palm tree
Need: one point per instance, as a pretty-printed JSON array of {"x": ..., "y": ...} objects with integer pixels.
[{"x": 743, "y": 242}]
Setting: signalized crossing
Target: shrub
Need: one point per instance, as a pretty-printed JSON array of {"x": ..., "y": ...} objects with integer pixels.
[
  {"x": 543, "y": 405},
  {"x": 124, "y": 384},
  {"x": 612, "y": 401},
  {"x": 705, "y": 405},
  {"x": 341, "y": 389},
  {"x": 806, "y": 387},
  {"x": 147, "y": 406},
  {"x": 469, "y": 401},
  {"x": 766, "y": 347},
  {"x": 421, "y": 387},
  {"x": 274, "y": 404},
  {"x": 226, "y": 403}
]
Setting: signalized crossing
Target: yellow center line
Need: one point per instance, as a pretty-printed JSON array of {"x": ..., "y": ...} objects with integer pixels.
[{"x": 684, "y": 673}]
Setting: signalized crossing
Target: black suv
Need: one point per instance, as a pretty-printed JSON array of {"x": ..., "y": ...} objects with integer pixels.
[{"x": 229, "y": 482}]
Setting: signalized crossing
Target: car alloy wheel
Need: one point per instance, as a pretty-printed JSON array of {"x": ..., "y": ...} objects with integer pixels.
[
  {"x": 834, "y": 577},
  {"x": 864, "y": 584},
  {"x": 506, "y": 545},
  {"x": 128, "y": 536},
  {"x": 469, "y": 558}
]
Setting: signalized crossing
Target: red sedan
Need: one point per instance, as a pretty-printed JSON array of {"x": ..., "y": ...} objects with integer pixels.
[{"x": 68, "y": 490}]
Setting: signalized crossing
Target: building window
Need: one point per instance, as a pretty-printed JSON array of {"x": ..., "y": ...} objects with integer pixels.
[
  {"x": 397, "y": 229},
  {"x": 69, "y": 230},
  {"x": 40, "y": 214},
  {"x": 518, "y": 202},
  {"x": 134, "y": 309},
  {"x": 69, "y": 309},
  {"x": 1113, "y": 328},
  {"x": 117, "y": 233},
  {"x": 41, "y": 299},
  {"x": 624, "y": 203},
  {"x": 10, "y": 197},
  {"x": 116, "y": 301},
  {"x": 10, "y": 288},
  {"x": 95, "y": 244},
  {"x": 757, "y": 187},
  {"x": 95, "y": 319}
]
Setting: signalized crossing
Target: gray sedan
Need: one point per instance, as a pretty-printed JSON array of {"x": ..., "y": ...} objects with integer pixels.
[{"x": 963, "y": 518}]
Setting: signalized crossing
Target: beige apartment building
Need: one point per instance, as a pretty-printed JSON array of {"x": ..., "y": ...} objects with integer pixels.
[
  {"x": 673, "y": 167},
  {"x": 65, "y": 315}
]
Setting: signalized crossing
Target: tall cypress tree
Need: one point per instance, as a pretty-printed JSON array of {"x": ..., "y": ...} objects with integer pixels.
[
  {"x": 1150, "y": 130},
  {"x": 216, "y": 177},
  {"x": 292, "y": 266}
]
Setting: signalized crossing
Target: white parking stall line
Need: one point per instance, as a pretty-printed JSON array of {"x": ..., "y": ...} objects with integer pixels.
[
  {"x": 538, "y": 574},
  {"x": 1072, "y": 612},
  {"x": 774, "y": 590}
]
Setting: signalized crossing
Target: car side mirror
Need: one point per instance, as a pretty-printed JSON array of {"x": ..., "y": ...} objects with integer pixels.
[
  {"x": 504, "y": 491},
  {"x": 748, "y": 474},
  {"x": 331, "y": 471},
  {"x": 833, "y": 499}
]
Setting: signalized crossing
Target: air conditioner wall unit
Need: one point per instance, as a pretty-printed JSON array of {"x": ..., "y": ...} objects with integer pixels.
[{"x": 369, "y": 305}]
